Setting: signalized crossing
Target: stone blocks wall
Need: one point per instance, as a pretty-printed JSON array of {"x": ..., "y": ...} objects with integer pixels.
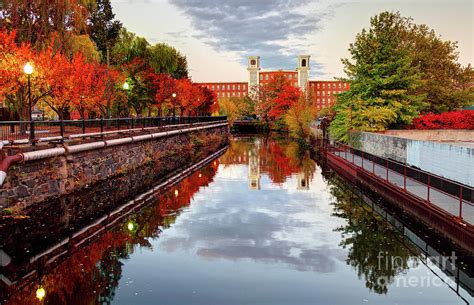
[{"x": 38, "y": 181}]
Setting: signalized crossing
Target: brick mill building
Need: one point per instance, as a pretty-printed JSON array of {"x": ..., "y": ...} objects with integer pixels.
[{"x": 323, "y": 91}]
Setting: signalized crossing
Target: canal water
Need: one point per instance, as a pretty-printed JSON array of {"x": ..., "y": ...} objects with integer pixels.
[{"x": 261, "y": 224}]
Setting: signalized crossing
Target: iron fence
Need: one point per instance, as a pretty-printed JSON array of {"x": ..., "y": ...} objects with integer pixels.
[
  {"x": 454, "y": 198},
  {"x": 32, "y": 131}
]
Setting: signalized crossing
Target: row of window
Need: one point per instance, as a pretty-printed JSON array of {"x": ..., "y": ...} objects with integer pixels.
[
  {"x": 323, "y": 100},
  {"x": 289, "y": 76},
  {"x": 227, "y": 87},
  {"x": 329, "y": 85},
  {"x": 328, "y": 92},
  {"x": 231, "y": 94}
]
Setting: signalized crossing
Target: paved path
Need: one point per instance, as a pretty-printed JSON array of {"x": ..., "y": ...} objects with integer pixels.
[{"x": 447, "y": 202}]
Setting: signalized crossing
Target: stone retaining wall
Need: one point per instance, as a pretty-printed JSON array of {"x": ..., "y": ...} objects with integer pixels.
[{"x": 38, "y": 181}]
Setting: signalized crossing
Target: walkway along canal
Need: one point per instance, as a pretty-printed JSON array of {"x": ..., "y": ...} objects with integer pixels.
[{"x": 258, "y": 223}]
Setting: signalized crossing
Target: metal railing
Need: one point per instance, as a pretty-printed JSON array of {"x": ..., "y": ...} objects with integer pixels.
[
  {"x": 453, "y": 198},
  {"x": 32, "y": 131}
]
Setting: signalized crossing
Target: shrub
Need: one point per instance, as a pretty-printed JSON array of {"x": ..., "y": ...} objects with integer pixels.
[{"x": 463, "y": 119}]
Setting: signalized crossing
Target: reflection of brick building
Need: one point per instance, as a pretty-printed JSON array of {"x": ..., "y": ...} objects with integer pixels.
[{"x": 324, "y": 91}]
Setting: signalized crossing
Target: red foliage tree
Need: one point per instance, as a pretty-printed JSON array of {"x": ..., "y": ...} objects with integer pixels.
[
  {"x": 286, "y": 98},
  {"x": 463, "y": 119}
]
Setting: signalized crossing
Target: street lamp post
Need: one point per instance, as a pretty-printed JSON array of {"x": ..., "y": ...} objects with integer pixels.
[
  {"x": 28, "y": 69},
  {"x": 174, "y": 104},
  {"x": 126, "y": 87}
]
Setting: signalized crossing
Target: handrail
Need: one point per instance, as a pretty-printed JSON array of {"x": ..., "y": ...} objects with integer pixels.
[
  {"x": 403, "y": 164},
  {"x": 461, "y": 196},
  {"x": 24, "y": 132}
]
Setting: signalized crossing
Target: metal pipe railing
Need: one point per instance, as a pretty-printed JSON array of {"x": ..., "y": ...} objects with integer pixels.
[{"x": 20, "y": 130}]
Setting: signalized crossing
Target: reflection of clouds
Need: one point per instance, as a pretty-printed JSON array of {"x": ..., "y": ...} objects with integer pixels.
[{"x": 270, "y": 226}]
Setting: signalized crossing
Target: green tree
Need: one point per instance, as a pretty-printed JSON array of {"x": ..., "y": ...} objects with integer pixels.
[
  {"x": 128, "y": 47},
  {"x": 103, "y": 29},
  {"x": 383, "y": 80},
  {"x": 166, "y": 59},
  {"x": 446, "y": 82}
]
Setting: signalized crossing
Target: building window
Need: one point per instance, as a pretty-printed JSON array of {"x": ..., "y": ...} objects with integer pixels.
[
  {"x": 233, "y": 87},
  {"x": 266, "y": 77},
  {"x": 261, "y": 77},
  {"x": 319, "y": 93},
  {"x": 334, "y": 85},
  {"x": 339, "y": 85},
  {"x": 324, "y": 93},
  {"x": 290, "y": 76},
  {"x": 303, "y": 63},
  {"x": 324, "y": 85},
  {"x": 238, "y": 87},
  {"x": 228, "y": 87},
  {"x": 319, "y": 100},
  {"x": 218, "y": 87}
]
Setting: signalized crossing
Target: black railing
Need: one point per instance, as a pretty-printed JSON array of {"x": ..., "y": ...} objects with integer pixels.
[
  {"x": 19, "y": 131},
  {"x": 455, "y": 198}
]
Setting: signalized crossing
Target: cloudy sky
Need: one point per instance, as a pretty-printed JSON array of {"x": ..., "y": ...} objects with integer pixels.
[{"x": 217, "y": 35}]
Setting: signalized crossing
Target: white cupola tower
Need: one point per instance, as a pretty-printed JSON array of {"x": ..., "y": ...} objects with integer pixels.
[
  {"x": 303, "y": 71},
  {"x": 254, "y": 71}
]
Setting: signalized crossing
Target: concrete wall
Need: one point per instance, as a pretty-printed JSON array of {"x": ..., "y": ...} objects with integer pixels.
[
  {"x": 445, "y": 135},
  {"x": 42, "y": 180},
  {"x": 454, "y": 162},
  {"x": 384, "y": 146}
]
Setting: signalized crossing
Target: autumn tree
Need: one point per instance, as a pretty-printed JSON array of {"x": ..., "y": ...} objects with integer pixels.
[
  {"x": 208, "y": 104},
  {"x": 299, "y": 117},
  {"x": 383, "y": 80},
  {"x": 274, "y": 98},
  {"x": 164, "y": 86},
  {"x": 445, "y": 82},
  {"x": 35, "y": 21},
  {"x": 12, "y": 79}
]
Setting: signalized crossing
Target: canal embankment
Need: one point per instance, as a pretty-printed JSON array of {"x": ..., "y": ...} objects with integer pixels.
[{"x": 45, "y": 173}]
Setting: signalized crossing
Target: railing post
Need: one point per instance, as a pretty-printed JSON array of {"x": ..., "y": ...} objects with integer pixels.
[
  {"x": 373, "y": 167},
  {"x": 133, "y": 123},
  {"x": 429, "y": 182},
  {"x": 101, "y": 125},
  {"x": 460, "y": 202},
  {"x": 387, "y": 170},
  {"x": 405, "y": 177},
  {"x": 61, "y": 128},
  {"x": 345, "y": 153},
  {"x": 118, "y": 124},
  {"x": 83, "y": 126},
  {"x": 353, "y": 160},
  {"x": 362, "y": 154},
  {"x": 32, "y": 131}
]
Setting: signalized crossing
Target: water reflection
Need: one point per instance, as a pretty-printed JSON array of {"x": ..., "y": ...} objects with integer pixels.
[{"x": 262, "y": 224}]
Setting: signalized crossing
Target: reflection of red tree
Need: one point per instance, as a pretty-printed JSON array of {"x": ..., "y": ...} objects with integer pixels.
[
  {"x": 276, "y": 163},
  {"x": 93, "y": 272}
]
